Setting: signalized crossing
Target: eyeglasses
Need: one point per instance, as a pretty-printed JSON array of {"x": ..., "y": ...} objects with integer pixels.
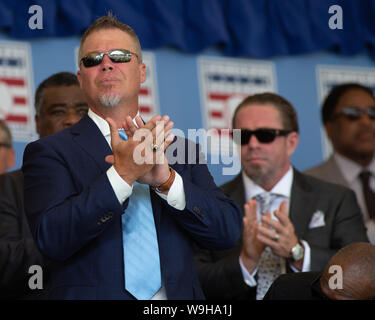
[
  {"x": 354, "y": 114},
  {"x": 5, "y": 145},
  {"x": 264, "y": 135},
  {"x": 117, "y": 55}
]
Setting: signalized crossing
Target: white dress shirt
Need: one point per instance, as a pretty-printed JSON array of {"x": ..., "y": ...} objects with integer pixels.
[
  {"x": 175, "y": 197},
  {"x": 283, "y": 190},
  {"x": 351, "y": 170}
]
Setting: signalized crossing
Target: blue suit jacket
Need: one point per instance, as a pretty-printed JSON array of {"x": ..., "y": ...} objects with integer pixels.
[{"x": 75, "y": 217}]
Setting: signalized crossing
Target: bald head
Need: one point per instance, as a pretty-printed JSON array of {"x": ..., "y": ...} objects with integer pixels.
[{"x": 357, "y": 262}]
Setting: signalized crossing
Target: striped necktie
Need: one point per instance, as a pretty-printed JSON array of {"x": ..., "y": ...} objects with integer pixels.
[
  {"x": 140, "y": 245},
  {"x": 270, "y": 266}
]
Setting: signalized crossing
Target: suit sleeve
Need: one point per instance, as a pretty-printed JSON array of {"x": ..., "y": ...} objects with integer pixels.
[
  {"x": 347, "y": 227},
  {"x": 221, "y": 276},
  {"x": 213, "y": 220},
  {"x": 18, "y": 250},
  {"x": 63, "y": 214}
]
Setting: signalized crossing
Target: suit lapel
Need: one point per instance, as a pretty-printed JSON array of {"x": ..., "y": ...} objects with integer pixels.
[
  {"x": 334, "y": 172},
  {"x": 92, "y": 141},
  {"x": 236, "y": 191},
  {"x": 301, "y": 198}
]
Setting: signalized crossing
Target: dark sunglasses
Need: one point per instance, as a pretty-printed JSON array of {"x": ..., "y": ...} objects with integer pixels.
[
  {"x": 264, "y": 135},
  {"x": 117, "y": 55},
  {"x": 354, "y": 114}
]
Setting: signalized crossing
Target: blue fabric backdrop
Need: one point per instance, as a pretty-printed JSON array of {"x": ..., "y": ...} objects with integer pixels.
[{"x": 256, "y": 28}]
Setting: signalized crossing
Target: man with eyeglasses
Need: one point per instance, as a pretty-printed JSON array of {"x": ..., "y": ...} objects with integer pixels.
[
  {"x": 117, "y": 227},
  {"x": 59, "y": 104},
  {"x": 292, "y": 222},
  {"x": 348, "y": 115},
  {"x": 7, "y": 157}
]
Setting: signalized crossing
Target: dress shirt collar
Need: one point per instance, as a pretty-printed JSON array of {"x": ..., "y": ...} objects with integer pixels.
[
  {"x": 102, "y": 124},
  {"x": 351, "y": 169},
  {"x": 282, "y": 188}
]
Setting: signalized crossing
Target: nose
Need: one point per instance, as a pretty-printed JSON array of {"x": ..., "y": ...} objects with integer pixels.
[
  {"x": 71, "y": 118},
  {"x": 253, "y": 141},
  {"x": 106, "y": 63}
]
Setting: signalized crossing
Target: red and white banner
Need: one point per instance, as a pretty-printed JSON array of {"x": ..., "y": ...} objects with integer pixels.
[
  {"x": 148, "y": 95},
  {"x": 16, "y": 98},
  {"x": 225, "y": 82}
]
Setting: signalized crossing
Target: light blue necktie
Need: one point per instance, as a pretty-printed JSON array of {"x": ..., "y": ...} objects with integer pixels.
[{"x": 140, "y": 245}]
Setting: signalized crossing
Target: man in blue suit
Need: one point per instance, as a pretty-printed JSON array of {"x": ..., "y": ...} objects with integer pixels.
[{"x": 80, "y": 182}]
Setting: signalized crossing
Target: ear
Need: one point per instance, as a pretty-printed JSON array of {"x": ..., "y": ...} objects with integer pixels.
[
  {"x": 292, "y": 142},
  {"x": 142, "y": 72},
  {"x": 79, "y": 78},
  {"x": 37, "y": 124}
]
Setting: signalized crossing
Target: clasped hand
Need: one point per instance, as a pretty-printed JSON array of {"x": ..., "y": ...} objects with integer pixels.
[
  {"x": 135, "y": 159},
  {"x": 278, "y": 234}
]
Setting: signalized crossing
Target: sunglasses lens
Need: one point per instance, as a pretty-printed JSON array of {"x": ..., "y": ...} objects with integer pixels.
[
  {"x": 265, "y": 136},
  {"x": 351, "y": 113},
  {"x": 120, "y": 56},
  {"x": 245, "y": 137},
  {"x": 92, "y": 59},
  {"x": 371, "y": 113},
  {"x": 96, "y": 58}
]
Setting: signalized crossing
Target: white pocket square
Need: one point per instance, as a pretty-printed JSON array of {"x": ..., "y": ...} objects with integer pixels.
[{"x": 317, "y": 220}]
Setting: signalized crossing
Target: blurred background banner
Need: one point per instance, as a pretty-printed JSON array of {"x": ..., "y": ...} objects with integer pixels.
[
  {"x": 16, "y": 89},
  {"x": 202, "y": 57}
]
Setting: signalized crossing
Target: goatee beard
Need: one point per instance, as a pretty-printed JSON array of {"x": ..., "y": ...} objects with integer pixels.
[{"x": 109, "y": 100}]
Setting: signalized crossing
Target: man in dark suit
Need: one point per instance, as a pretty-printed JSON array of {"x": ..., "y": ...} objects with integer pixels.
[
  {"x": 349, "y": 275},
  {"x": 304, "y": 222},
  {"x": 59, "y": 103},
  {"x": 83, "y": 184},
  {"x": 348, "y": 114}
]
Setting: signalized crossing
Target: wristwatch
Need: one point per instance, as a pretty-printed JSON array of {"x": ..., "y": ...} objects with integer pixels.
[{"x": 298, "y": 252}]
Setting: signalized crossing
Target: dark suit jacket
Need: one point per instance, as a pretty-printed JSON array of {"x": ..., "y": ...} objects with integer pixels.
[
  {"x": 219, "y": 271},
  {"x": 75, "y": 217},
  {"x": 296, "y": 286},
  {"x": 18, "y": 250}
]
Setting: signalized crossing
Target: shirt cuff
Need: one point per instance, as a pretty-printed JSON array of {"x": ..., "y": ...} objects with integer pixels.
[
  {"x": 120, "y": 187},
  {"x": 247, "y": 277},
  {"x": 176, "y": 194},
  {"x": 306, "y": 266},
  {"x": 370, "y": 225}
]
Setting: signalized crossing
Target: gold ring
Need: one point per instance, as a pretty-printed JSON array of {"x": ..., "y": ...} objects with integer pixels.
[{"x": 154, "y": 147}]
